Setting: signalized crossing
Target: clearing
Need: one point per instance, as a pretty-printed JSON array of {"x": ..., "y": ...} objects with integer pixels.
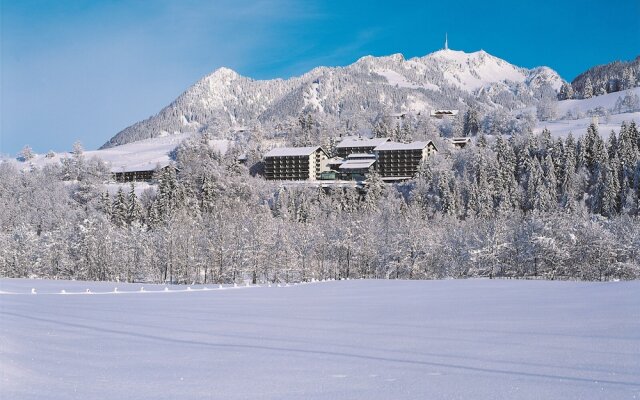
[{"x": 455, "y": 339}]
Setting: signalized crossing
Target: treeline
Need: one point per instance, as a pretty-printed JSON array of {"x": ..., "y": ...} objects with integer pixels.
[
  {"x": 529, "y": 206},
  {"x": 602, "y": 79}
]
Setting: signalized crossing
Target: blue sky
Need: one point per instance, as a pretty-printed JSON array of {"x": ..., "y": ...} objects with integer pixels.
[{"x": 84, "y": 70}]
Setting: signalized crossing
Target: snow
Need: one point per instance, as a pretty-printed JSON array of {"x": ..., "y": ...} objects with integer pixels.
[
  {"x": 395, "y": 79},
  {"x": 359, "y": 141},
  {"x": 312, "y": 98},
  {"x": 143, "y": 155},
  {"x": 581, "y": 107},
  {"x": 476, "y": 339},
  {"x": 471, "y": 71},
  {"x": 578, "y": 127},
  {"x": 401, "y": 146},
  {"x": 292, "y": 151},
  {"x": 357, "y": 164},
  {"x": 607, "y": 101}
]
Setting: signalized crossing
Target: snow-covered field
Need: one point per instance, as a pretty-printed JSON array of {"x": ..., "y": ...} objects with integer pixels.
[
  {"x": 456, "y": 339},
  {"x": 578, "y": 127},
  {"x": 140, "y": 155}
]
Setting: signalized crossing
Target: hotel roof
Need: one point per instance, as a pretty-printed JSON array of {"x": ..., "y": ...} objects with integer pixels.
[
  {"x": 292, "y": 151},
  {"x": 357, "y": 141}
]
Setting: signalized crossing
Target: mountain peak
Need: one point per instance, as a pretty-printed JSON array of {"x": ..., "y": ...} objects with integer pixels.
[
  {"x": 355, "y": 95},
  {"x": 224, "y": 72},
  {"x": 397, "y": 57}
]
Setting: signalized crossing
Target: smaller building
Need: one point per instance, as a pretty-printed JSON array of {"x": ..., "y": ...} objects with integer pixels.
[
  {"x": 441, "y": 114},
  {"x": 138, "y": 173},
  {"x": 295, "y": 163},
  {"x": 460, "y": 142},
  {"x": 399, "y": 116}
]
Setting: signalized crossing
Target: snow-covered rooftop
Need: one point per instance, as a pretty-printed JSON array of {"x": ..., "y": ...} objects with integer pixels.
[
  {"x": 402, "y": 146},
  {"x": 292, "y": 151},
  {"x": 361, "y": 155},
  {"x": 358, "y": 141},
  {"x": 144, "y": 166},
  {"x": 460, "y": 140},
  {"x": 357, "y": 164}
]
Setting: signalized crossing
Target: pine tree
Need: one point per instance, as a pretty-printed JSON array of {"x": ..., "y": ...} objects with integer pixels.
[
  {"x": 595, "y": 151},
  {"x": 566, "y": 92},
  {"x": 628, "y": 80},
  {"x": 550, "y": 182},
  {"x": 153, "y": 215},
  {"x": 26, "y": 153},
  {"x": 332, "y": 147},
  {"x": 396, "y": 135},
  {"x": 169, "y": 193},
  {"x": 482, "y": 141},
  {"x": 608, "y": 190},
  {"x": 209, "y": 194},
  {"x": 612, "y": 145},
  {"x": 471, "y": 123},
  {"x": 119, "y": 209},
  {"x": 381, "y": 130},
  {"x": 375, "y": 190},
  {"x": 568, "y": 179},
  {"x": 134, "y": 209},
  {"x": 105, "y": 204},
  {"x": 587, "y": 91},
  {"x": 545, "y": 143},
  {"x": 306, "y": 123},
  {"x": 405, "y": 134}
]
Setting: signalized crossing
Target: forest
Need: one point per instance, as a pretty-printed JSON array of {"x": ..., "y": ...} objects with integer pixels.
[{"x": 519, "y": 206}]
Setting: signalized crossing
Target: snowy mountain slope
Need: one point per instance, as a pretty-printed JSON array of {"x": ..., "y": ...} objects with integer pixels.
[
  {"x": 359, "y": 93},
  {"x": 575, "y": 116},
  {"x": 135, "y": 156},
  {"x": 384, "y": 339},
  {"x": 606, "y": 101},
  {"x": 473, "y": 71}
]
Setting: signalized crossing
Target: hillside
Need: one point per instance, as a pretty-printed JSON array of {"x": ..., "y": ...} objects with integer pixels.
[
  {"x": 575, "y": 115},
  {"x": 361, "y": 93},
  {"x": 608, "y": 78}
]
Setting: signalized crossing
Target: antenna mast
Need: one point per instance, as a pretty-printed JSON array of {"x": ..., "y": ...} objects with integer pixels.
[{"x": 446, "y": 41}]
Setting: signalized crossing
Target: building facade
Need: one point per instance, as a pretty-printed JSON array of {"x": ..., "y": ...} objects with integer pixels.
[
  {"x": 138, "y": 173},
  {"x": 401, "y": 161},
  {"x": 295, "y": 163}
]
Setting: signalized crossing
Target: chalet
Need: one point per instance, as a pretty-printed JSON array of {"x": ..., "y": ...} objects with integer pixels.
[
  {"x": 460, "y": 142},
  {"x": 441, "y": 114},
  {"x": 243, "y": 159},
  {"x": 295, "y": 163},
  {"x": 138, "y": 173},
  {"x": 401, "y": 161},
  {"x": 397, "y": 117},
  {"x": 358, "y": 145}
]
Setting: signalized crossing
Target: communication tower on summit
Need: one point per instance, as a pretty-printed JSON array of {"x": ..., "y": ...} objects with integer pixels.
[{"x": 446, "y": 42}]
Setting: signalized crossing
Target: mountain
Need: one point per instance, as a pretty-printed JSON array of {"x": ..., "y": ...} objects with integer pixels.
[{"x": 355, "y": 96}]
